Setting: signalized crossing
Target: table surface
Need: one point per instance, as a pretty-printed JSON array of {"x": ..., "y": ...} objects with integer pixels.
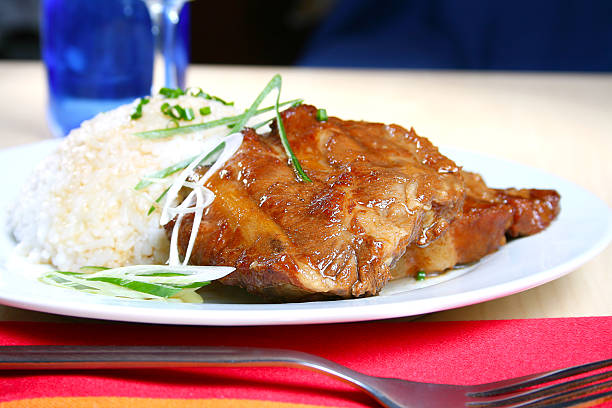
[{"x": 560, "y": 123}]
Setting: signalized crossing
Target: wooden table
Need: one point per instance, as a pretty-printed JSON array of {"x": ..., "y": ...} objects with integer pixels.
[{"x": 560, "y": 123}]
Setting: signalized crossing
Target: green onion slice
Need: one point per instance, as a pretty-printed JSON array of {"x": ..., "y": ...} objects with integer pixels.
[
  {"x": 321, "y": 115},
  {"x": 208, "y": 160},
  {"x": 276, "y": 82},
  {"x": 177, "y": 112},
  {"x": 199, "y": 92},
  {"x": 157, "y": 200},
  {"x": 91, "y": 269},
  {"x": 139, "y": 281},
  {"x": 138, "y": 110},
  {"x": 171, "y": 92},
  {"x": 189, "y": 115}
]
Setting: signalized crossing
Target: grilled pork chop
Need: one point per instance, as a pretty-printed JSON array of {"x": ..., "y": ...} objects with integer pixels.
[
  {"x": 375, "y": 190},
  {"x": 488, "y": 218},
  {"x": 383, "y": 204}
]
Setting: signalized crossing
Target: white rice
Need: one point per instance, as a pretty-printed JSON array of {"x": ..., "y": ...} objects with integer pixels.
[{"x": 80, "y": 208}]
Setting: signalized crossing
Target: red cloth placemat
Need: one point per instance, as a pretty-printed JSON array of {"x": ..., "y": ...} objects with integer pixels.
[{"x": 444, "y": 352}]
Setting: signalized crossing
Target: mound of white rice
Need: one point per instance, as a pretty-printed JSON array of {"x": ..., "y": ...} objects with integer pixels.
[{"x": 80, "y": 206}]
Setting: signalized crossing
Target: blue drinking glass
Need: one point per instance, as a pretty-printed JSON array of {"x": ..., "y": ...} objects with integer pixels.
[{"x": 100, "y": 54}]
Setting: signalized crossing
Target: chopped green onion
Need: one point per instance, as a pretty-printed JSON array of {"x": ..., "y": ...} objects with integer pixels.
[
  {"x": 177, "y": 111},
  {"x": 189, "y": 115},
  {"x": 163, "y": 133},
  {"x": 321, "y": 115},
  {"x": 205, "y": 111},
  {"x": 239, "y": 121},
  {"x": 138, "y": 110},
  {"x": 421, "y": 275},
  {"x": 209, "y": 97},
  {"x": 172, "y": 123},
  {"x": 216, "y": 98},
  {"x": 171, "y": 92}
]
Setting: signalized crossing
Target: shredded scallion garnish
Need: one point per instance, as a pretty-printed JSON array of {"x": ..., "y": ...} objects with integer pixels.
[
  {"x": 138, "y": 110},
  {"x": 208, "y": 160},
  {"x": 201, "y": 197},
  {"x": 198, "y": 92},
  {"x": 160, "y": 282},
  {"x": 157, "y": 200},
  {"x": 276, "y": 82}
]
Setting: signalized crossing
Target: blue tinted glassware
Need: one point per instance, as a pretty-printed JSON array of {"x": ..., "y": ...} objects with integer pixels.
[{"x": 99, "y": 55}]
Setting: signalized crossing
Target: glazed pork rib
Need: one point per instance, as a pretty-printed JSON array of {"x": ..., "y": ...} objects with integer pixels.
[
  {"x": 375, "y": 190},
  {"x": 488, "y": 217},
  {"x": 383, "y": 204}
]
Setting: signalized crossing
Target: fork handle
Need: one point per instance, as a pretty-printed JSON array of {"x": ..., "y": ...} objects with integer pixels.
[
  {"x": 108, "y": 357},
  {"x": 100, "y": 357}
]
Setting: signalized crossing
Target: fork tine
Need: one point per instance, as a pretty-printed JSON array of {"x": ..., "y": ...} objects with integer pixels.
[
  {"x": 588, "y": 401},
  {"x": 536, "y": 379},
  {"x": 546, "y": 396},
  {"x": 551, "y": 390}
]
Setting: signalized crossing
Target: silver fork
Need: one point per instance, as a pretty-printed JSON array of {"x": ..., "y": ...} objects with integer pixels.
[{"x": 526, "y": 391}]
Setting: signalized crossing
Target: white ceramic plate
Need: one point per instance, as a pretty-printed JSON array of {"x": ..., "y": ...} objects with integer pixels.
[{"x": 583, "y": 229}]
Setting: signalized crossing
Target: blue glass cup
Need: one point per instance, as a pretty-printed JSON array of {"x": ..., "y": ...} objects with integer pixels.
[{"x": 100, "y": 54}]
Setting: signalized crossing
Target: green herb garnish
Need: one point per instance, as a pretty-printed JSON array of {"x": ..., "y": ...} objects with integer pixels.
[
  {"x": 138, "y": 281},
  {"x": 168, "y": 171},
  {"x": 205, "y": 111},
  {"x": 163, "y": 133},
  {"x": 198, "y": 92},
  {"x": 172, "y": 123},
  {"x": 157, "y": 200},
  {"x": 138, "y": 110},
  {"x": 189, "y": 115},
  {"x": 91, "y": 269},
  {"x": 321, "y": 115},
  {"x": 237, "y": 123},
  {"x": 171, "y": 92},
  {"x": 276, "y": 82},
  {"x": 143, "y": 287},
  {"x": 177, "y": 112},
  {"x": 421, "y": 275},
  {"x": 208, "y": 160}
]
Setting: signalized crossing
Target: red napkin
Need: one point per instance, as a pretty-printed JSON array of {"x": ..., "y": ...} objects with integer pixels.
[{"x": 444, "y": 352}]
